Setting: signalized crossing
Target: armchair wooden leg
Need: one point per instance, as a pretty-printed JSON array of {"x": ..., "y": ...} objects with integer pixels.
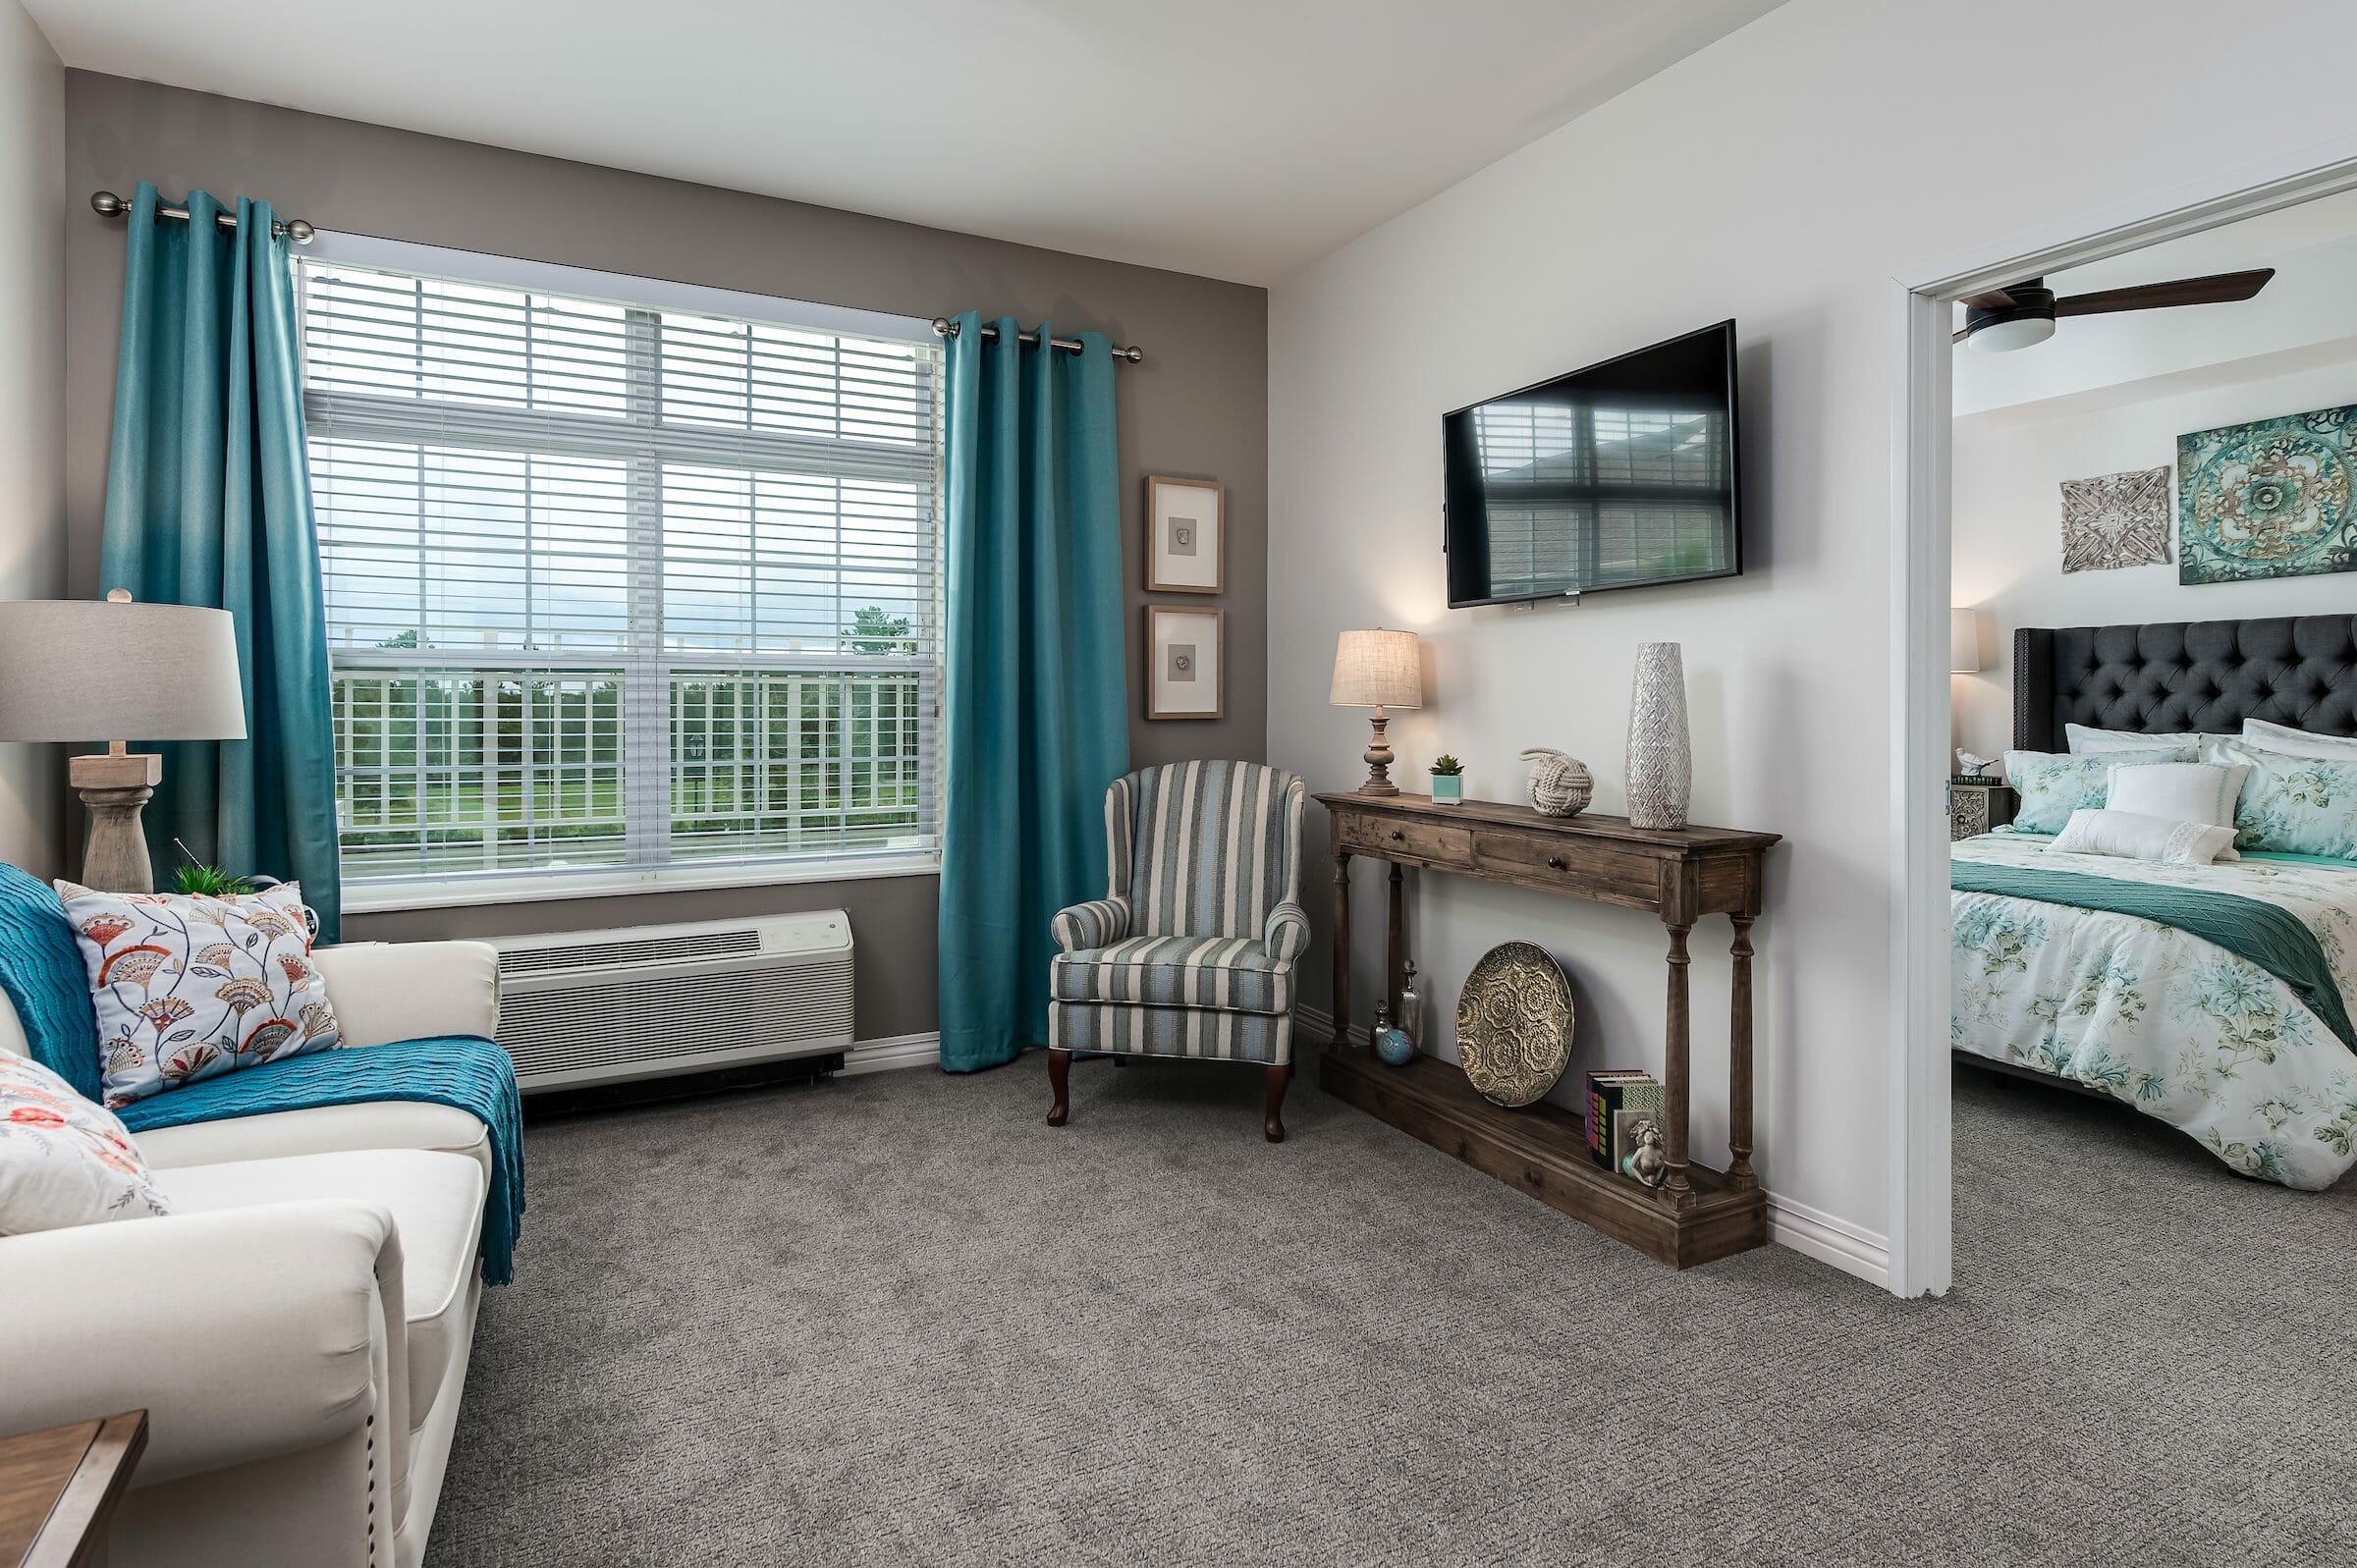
[
  {"x": 1060, "y": 1069},
  {"x": 1279, "y": 1076}
]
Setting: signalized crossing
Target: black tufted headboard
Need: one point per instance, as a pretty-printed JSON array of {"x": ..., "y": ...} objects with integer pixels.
[{"x": 2180, "y": 675}]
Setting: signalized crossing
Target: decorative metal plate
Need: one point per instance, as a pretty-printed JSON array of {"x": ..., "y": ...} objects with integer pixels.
[{"x": 1513, "y": 1024}]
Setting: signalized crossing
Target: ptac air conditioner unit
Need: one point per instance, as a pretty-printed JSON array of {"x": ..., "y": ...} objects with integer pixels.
[{"x": 606, "y": 1006}]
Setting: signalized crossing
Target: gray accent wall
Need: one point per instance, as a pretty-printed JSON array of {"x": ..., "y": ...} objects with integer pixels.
[{"x": 1197, "y": 406}]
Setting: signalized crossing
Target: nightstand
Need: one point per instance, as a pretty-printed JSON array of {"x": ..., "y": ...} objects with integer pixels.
[{"x": 1976, "y": 805}]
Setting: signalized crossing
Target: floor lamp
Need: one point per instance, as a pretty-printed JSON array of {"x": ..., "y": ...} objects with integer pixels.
[{"x": 86, "y": 669}]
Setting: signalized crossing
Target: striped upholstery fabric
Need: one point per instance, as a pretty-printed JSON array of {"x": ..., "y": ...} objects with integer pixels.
[
  {"x": 1191, "y": 951},
  {"x": 1232, "y": 972},
  {"x": 1260, "y": 1037},
  {"x": 1214, "y": 848}
]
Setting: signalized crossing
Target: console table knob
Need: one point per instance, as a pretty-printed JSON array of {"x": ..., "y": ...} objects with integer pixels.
[
  {"x": 1397, "y": 835},
  {"x": 1555, "y": 862}
]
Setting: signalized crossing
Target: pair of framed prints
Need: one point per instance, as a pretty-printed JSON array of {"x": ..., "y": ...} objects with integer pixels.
[{"x": 1186, "y": 547}]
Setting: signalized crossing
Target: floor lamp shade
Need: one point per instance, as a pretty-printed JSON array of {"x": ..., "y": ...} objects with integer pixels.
[{"x": 117, "y": 672}]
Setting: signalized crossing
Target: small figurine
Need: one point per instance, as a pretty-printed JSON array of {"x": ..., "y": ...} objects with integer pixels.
[
  {"x": 1974, "y": 766},
  {"x": 1649, "y": 1160}
]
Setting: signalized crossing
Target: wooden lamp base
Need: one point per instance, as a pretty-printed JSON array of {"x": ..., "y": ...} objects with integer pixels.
[
  {"x": 1378, "y": 759},
  {"x": 114, "y": 786}
]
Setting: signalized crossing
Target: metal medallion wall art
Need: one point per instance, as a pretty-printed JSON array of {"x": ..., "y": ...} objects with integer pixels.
[
  {"x": 2268, "y": 499},
  {"x": 2115, "y": 520},
  {"x": 1513, "y": 1024}
]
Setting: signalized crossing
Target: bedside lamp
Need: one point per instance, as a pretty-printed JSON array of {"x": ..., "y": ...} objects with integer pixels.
[
  {"x": 1378, "y": 669},
  {"x": 1963, "y": 643},
  {"x": 80, "y": 669}
]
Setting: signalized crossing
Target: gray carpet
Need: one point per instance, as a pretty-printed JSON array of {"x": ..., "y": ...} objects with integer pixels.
[{"x": 895, "y": 1320}]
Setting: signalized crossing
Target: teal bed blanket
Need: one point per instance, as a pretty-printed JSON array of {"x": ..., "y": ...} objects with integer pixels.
[{"x": 2271, "y": 938}]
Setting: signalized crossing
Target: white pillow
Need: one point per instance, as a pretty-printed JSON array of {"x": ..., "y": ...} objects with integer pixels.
[
  {"x": 63, "y": 1160},
  {"x": 2179, "y": 792},
  {"x": 2134, "y": 836},
  {"x": 2290, "y": 742},
  {"x": 189, "y": 987},
  {"x": 2085, "y": 741}
]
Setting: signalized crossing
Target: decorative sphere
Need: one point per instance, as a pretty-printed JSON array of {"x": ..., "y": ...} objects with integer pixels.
[{"x": 1395, "y": 1047}]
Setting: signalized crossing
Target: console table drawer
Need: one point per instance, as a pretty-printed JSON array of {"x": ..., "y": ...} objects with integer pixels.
[
  {"x": 1433, "y": 844},
  {"x": 1600, "y": 872}
]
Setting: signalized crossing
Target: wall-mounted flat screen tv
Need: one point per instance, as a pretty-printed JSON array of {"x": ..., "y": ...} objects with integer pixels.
[{"x": 1616, "y": 476}]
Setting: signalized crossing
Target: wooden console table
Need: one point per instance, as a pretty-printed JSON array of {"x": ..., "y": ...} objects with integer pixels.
[{"x": 1697, "y": 1214}]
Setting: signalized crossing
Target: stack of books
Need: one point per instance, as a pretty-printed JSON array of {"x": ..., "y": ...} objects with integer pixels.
[{"x": 1617, "y": 1100}]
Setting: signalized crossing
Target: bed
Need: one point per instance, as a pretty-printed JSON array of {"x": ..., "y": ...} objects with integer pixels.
[{"x": 2217, "y": 998}]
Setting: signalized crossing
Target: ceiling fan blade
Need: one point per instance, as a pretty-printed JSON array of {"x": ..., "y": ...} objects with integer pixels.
[
  {"x": 2222, "y": 288},
  {"x": 1986, "y": 299}
]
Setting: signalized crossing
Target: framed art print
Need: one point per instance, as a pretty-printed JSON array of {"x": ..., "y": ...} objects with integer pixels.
[
  {"x": 1184, "y": 662},
  {"x": 1187, "y": 537}
]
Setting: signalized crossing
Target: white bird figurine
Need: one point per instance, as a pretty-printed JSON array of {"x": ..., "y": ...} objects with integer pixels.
[{"x": 1974, "y": 766}]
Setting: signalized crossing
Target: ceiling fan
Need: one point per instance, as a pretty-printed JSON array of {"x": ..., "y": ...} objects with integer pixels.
[{"x": 2023, "y": 315}]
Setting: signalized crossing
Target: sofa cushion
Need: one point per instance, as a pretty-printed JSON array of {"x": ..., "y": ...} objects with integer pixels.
[
  {"x": 436, "y": 1201},
  {"x": 319, "y": 1130},
  {"x": 1232, "y": 973},
  {"x": 65, "y": 1161}
]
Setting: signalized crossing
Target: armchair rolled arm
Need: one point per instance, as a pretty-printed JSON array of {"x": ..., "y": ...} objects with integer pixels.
[
  {"x": 244, "y": 1332},
  {"x": 1286, "y": 937},
  {"x": 1099, "y": 923},
  {"x": 388, "y": 991}
]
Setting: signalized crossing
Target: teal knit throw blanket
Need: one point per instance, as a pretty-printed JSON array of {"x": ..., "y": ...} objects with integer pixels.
[{"x": 43, "y": 974}]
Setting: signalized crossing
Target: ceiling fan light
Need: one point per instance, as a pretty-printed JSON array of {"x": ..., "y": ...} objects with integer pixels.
[{"x": 2021, "y": 332}]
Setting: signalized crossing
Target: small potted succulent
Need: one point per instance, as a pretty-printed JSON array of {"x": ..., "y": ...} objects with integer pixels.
[{"x": 1448, "y": 780}]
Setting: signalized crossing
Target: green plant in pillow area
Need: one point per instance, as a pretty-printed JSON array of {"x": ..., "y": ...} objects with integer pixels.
[
  {"x": 1446, "y": 766},
  {"x": 197, "y": 880}
]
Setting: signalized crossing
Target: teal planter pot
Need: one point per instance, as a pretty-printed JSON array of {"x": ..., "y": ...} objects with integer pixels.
[{"x": 1447, "y": 788}]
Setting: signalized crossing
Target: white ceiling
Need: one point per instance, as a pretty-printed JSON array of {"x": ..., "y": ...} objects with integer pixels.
[{"x": 1237, "y": 138}]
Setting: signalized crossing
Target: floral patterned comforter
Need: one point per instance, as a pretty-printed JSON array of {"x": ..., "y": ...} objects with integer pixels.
[{"x": 2175, "y": 1025}]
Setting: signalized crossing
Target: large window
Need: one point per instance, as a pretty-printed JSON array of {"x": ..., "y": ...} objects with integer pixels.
[{"x": 618, "y": 588}]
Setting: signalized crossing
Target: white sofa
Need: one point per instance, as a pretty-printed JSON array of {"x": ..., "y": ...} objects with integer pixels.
[{"x": 298, "y": 1327}]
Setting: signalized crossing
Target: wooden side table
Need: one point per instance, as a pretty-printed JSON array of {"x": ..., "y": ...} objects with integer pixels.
[
  {"x": 59, "y": 1486},
  {"x": 1977, "y": 805},
  {"x": 1676, "y": 875}
]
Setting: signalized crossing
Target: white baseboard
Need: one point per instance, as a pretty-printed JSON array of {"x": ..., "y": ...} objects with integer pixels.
[
  {"x": 892, "y": 1053},
  {"x": 1827, "y": 1238}
]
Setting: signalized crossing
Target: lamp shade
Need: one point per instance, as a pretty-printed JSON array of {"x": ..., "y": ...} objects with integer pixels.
[
  {"x": 1963, "y": 643},
  {"x": 96, "y": 670},
  {"x": 1377, "y": 668}
]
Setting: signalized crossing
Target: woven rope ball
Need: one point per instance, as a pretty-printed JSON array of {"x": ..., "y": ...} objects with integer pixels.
[{"x": 1560, "y": 785}]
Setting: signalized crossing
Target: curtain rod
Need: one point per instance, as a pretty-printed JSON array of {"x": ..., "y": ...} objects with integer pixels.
[
  {"x": 107, "y": 204},
  {"x": 943, "y": 327}
]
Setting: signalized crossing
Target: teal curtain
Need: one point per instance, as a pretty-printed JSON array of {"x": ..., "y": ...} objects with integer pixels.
[
  {"x": 209, "y": 501},
  {"x": 1037, "y": 711}
]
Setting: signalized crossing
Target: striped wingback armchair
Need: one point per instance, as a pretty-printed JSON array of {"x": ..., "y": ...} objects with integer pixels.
[{"x": 1191, "y": 951}]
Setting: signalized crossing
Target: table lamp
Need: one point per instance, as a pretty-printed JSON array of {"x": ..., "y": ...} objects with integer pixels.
[
  {"x": 80, "y": 669},
  {"x": 1378, "y": 669},
  {"x": 1963, "y": 643}
]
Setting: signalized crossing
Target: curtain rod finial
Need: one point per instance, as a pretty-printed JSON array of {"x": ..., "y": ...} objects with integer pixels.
[
  {"x": 943, "y": 327},
  {"x": 107, "y": 204},
  {"x": 301, "y": 232}
]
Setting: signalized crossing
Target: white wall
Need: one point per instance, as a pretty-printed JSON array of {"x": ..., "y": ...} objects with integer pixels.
[
  {"x": 2008, "y": 468},
  {"x": 1784, "y": 176},
  {"x": 32, "y": 378}
]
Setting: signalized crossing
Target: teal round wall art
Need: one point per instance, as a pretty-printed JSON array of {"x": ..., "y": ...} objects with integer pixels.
[{"x": 2269, "y": 499}]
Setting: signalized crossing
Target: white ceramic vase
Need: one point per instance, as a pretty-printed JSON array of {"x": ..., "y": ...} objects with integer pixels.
[{"x": 1661, "y": 760}]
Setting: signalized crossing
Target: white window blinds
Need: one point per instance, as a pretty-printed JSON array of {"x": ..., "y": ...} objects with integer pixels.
[{"x": 620, "y": 586}]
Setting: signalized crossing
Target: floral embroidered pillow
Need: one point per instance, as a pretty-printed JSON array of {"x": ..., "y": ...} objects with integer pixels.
[
  {"x": 2293, "y": 805},
  {"x": 63, "y": 1161},
  {"x": 192, "y": 986},
  {"x": 2053, "y": 784}
]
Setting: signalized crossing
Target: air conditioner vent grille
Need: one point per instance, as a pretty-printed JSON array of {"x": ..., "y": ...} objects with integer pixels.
[{"x": 630, "y": 950}]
